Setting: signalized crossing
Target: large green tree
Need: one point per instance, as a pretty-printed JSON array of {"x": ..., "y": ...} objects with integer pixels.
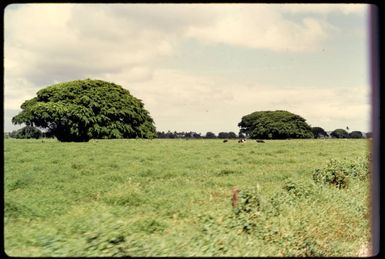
[
  {"x": 84, "y": 109},
  {"x": 274, "y": 125}
]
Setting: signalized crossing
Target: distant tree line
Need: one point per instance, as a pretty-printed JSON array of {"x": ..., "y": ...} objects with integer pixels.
[
  {"x": 80, "y": 110},
  {"x": 194, "y": 135},
  {"x": 30, "y": 132},
  {"x": 319, "y": 132}
]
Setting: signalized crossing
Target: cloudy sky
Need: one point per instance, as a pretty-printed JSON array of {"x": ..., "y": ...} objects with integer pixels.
[{"x": 198, "y": 67}]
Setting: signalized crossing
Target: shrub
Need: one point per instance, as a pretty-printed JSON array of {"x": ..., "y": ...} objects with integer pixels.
[
  {"x": 247, "y": 210},
  {"x": 298, "y": 189},
  {"x": 333, "y": 174},
  {"x": 210, "y": 135},
  {"x": 358, "y": 169},
  {"x": 26, "y": 132},
  {"x": 355, "y": 134},
  {"x": 318, "y": 132},
  {"x": 339, "y": 133},
  {"x": 337, "y": 173},
  {"x": 292, "y": 193}
]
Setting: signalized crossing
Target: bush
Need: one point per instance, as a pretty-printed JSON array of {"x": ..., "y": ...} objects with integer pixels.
[
  {"x": 319, "y": 132},
  {"x": 355, "y": 134},
  {"x": 224, "y": 135},
  {"x": 26, "y": 132},
  {"x": 339, "y": 133},
  {"x": 210, "y": 135},
  {"x": 247, "y": 210},
  {"x": 338, "y": 173},
  {"x": 359, "y": 169},
  {"x": 298, "y": 189},
  {"x": 333, "y": 174}
]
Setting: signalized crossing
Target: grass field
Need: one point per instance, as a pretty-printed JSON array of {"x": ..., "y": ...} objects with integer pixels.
[{"x": 173, "y": 198}]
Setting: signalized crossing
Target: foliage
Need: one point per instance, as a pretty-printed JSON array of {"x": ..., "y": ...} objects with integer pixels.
[
  {"x": 192, "y": 135},
  {"x": 318, "y": 132},
  {"x": 339, "y": 133},
  {"x": 298, "y": 188},
  {"x": 210, "y": 135},
  {"x": 274, "y": 125},
  {"x": 26, "y": 132},
  {"x": 355, "y": 134},
  {"x": 247, "y": 210},
  {"x": 175, "y": 134},
  {"x": 230, "y": 135},
  {"x": 333, "y": 174},
  {"x": 84, "y": 109},
  {"x": 338, "y": 173}
]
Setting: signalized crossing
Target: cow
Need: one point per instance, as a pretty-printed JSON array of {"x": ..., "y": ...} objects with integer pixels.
[
  {"x": 242, "y": 140},
  {"x": 224, "y": 141},
  {"x": 260, "y": 141}
]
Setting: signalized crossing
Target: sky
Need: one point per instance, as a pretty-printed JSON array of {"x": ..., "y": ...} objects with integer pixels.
[{"x": 198, "y": 67}]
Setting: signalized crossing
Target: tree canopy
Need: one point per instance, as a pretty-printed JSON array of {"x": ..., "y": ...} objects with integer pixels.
[
  {"x": 319, "y": 132},
  {"x": 339, "y": 133},
  {"x": 26, "y": 132},
  {"x": 210, "y": 134},
  {"x": 355, "y": 134},
  {"x": 84, "y": 109},
  {"x": 230, "y": 134},
  {"x": 274, "y": 125}
]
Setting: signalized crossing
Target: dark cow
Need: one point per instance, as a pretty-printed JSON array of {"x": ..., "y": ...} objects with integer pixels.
[
  {"x": 260, "y": 141},
  {"x": 224, "y": 141}
]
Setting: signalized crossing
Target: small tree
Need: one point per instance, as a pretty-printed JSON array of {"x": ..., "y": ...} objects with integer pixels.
[
  {"x": 339, "y": 133},
  {"x": 223, "y": 135},
  {"x": 26, "y": 132},
  {"x": 319, "y": 132},
  {"x": 169, "y": 134},
  {"x": 355, "y": 134},
  {"x": 232, "y": 135},
  {"x": 210, "y": 135}
]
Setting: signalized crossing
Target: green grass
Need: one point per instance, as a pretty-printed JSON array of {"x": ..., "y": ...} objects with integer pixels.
[{"x": 173, "y": 198}]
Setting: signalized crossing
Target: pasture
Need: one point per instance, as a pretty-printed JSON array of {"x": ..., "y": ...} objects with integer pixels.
[{"x": 167, "y": 197}]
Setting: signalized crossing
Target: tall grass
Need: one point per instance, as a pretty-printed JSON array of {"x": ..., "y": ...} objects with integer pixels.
[{"x": 173, "y": 198}]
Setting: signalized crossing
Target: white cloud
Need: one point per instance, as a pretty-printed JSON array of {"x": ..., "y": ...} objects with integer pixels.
[
  {"x": 346, "y": 9},
  {"x": 58, "y": 42},
  {"x": 182, "y": 101},
  {"x": 126, "y": 44},
  {"x": 256, "y": 26},
  {"x": 52, "y": 42}
]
